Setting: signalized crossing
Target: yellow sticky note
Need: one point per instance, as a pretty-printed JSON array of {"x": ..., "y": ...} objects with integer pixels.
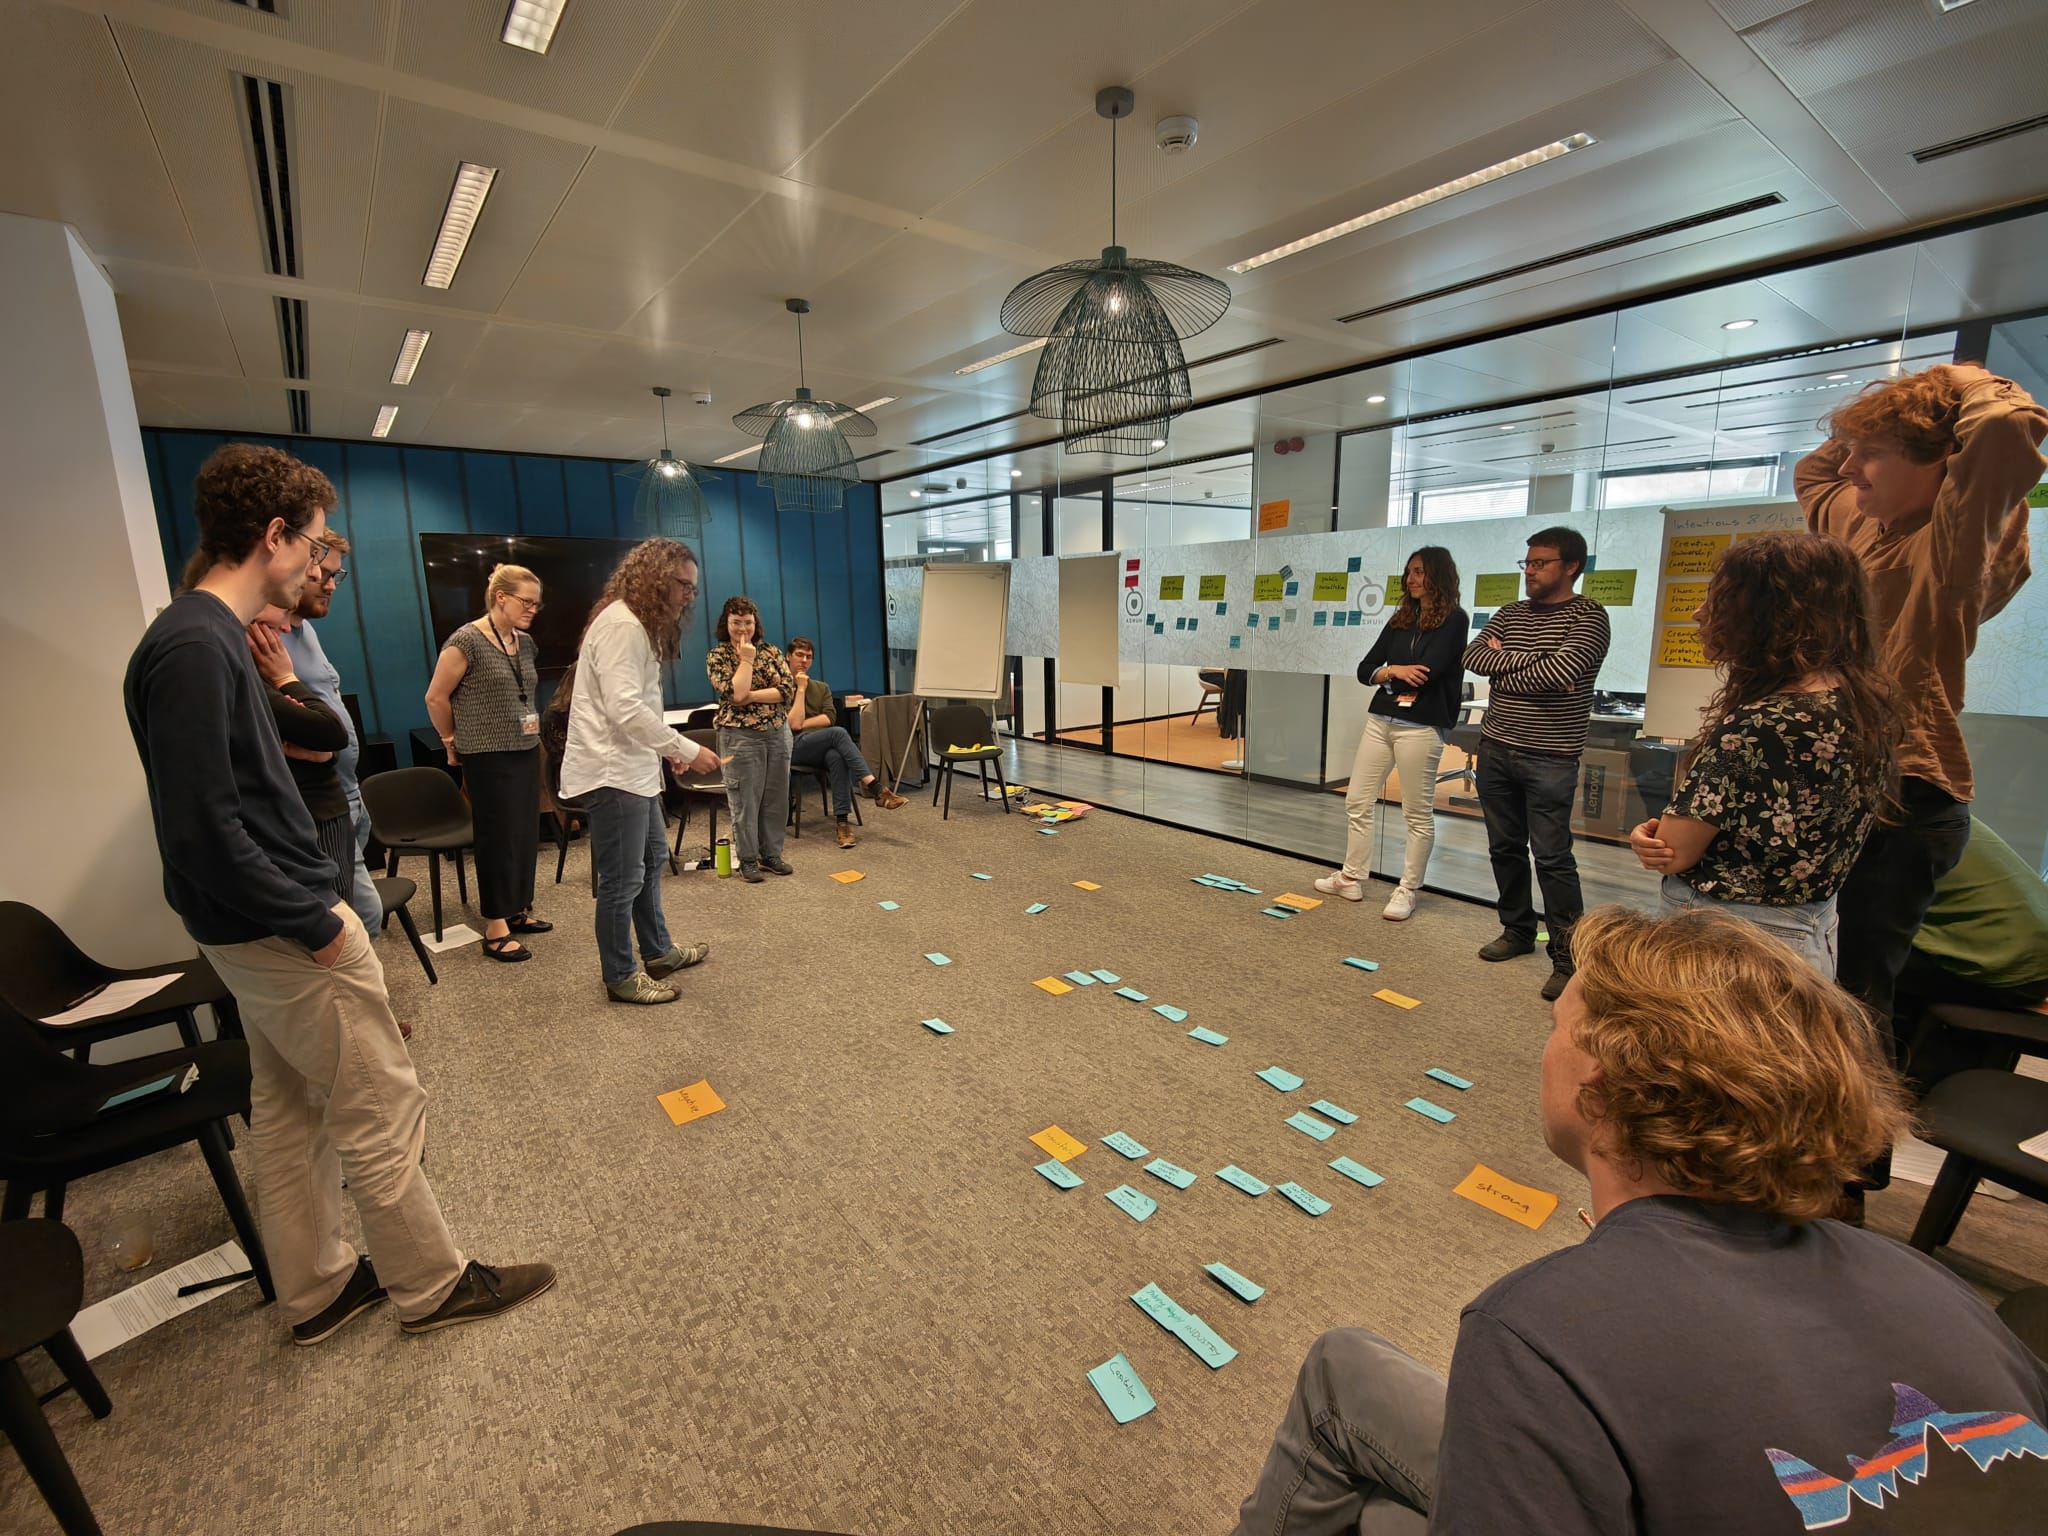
[
  {"x": 1076, "y": 805},
  {"x": 848, "y": 876},
  {"x": 1389, "y": 995},
  {"x": 691, "y": 1103},
  {"x": 1087, "y": 885},
  {"x": 1696, "y": 554},
  {"x": 1300, "y": 903},
  {"x": 1053, "y": 985},
  {"x": 1681, "y": 648},
  {"x": 1504, "y": 1197},
  {"x": 1681, "y": 598},
  {"x": 1065, "y": 1148}
]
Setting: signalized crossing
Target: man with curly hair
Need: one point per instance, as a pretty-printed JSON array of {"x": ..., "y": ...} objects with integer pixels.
[
  {"x": 332, "y": 1090},
  {"x": 1712, "y": 1358},
  {"x": 1926, "y": 478}
]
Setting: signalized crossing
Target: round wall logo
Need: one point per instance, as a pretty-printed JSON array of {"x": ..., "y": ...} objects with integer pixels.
[
  {"x": 1371, "y": 597},
  {"x": 1134, "y": 602}
]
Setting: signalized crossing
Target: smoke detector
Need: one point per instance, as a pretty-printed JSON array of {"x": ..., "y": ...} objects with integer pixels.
[
  {"x": 702, "y": 397},
  {"x": 1176, "y": 135}
]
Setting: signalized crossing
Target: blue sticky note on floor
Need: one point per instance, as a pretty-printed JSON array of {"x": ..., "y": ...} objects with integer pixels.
[
  {"x": 1222, "y": 609},
  {"x": 1131, "y": 1203},
  {"x": 1208, "y": 1036},
  {"x": 938, "y": 959},
  {"x": 886, "y": 906},
  {"x": 1449, "y": 1077},
  {"x": 1061, "y": 1174},
  {"x": 937, "y": 1026},
  {"x": 1048, "y": 831},
  {"x": 981, "y": 877},
  {"x": 1315, "y": 1205},
  {"x": 1309, "y": 1125},
  {"x": 1273, "y": 621},
  {"x": 1160, "y": 1307},
  {"x": 1279, "y": 911},
  {"x": 1108, "y": 978},
  {"x": 1120, "y": 1390},
  {"x": 1204, "y": 1341},
  {"x": 1341, "y": 1116},
  {"x": 1081, "y": 978},
  {"x": 1281, "y": 1078},
  {"x": 1322, "y": 618},
  {"x": 1133, "y": 994},
  {"x": 1034, "y": 909},
  {"x": 1435, "y": 1112},
  {"x": 1119, "y": 1142},
  {"x": 1244, "y": 1288},
  {"x": 1361, "y": 965},
  {"x": 1239, "y": 1179},
  {"x": 1168, "y": 1011},
  {"x": 1237, "y": 642},
  {"x": 1177, "y": 1176},
  {"x": 1357, "y": 1172},
  {"x": 1352, "y": 564}
]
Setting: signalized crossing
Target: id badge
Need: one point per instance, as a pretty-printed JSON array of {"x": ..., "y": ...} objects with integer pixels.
[
  {"x": 529, "y": 724},
  {"x": 1405, "y": 701}
]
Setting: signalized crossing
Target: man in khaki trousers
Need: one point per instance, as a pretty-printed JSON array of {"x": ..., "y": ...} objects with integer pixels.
[{"x": 333, "y": 1091}]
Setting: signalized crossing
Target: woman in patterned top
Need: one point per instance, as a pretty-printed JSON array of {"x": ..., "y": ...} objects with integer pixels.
[
  {"x": 1796, "y": 751},
  {"x": 754, "y": 687}
]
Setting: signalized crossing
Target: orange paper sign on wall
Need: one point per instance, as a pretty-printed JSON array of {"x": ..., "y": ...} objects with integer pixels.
[
  {"x": 1273, "y": 515},
  {"x": 691, "y": 1103},
  {"x": 1503, "y": 1196}
]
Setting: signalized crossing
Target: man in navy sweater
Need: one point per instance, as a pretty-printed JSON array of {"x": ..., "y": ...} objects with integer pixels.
[{"x": 333, "y": 1090}]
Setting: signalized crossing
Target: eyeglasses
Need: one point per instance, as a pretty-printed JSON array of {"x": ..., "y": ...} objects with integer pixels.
[
  {"x": 689, "y": 588},
  {"x": 335, "y": 577},
  {"x": 315, "y": 550},
  {"x": 1537, "y": 565},
  {"x": 530, "y": 604}
]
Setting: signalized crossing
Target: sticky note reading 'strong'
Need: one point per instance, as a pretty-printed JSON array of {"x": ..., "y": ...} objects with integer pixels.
[
  {"x": 1517, "y": 1202},
  {"x": 1120, "y": 1390}
]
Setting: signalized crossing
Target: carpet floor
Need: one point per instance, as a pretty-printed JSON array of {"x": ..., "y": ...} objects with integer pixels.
[{"x": 847, "y": 1302}]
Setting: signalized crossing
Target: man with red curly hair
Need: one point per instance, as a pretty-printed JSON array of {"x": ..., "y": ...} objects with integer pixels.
[{"x": 1926, "y": 478}]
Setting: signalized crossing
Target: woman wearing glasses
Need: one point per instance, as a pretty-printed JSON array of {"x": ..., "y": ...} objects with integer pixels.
[{"x": 484, "y": 704}]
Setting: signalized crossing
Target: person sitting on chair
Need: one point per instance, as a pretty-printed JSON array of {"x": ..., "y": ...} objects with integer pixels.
[{"x": 820, "y": 741}]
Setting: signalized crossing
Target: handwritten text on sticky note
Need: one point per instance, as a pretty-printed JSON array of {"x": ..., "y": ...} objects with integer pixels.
[{"x": 1517, "y": 1202}]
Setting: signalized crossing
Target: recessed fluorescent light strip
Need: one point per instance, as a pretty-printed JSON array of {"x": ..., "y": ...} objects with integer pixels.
[
  {"x": 1551, "y": 151},
  {"x": 458, "y": 221},
  {"x": 409, "y": 355},
  {"x": 741, "y": 454},
  {"x": 1002, "y": 357},
  {"x": 530, "y": 24},
  {"x": 386, "y": 415}
]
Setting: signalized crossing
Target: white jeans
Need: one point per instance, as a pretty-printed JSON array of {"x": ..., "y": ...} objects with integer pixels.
[{"x": 1415, "y": 750}]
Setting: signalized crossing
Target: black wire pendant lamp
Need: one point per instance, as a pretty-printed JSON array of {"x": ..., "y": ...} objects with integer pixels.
[
  {"x": 670, "y": 502},
  {"x": 805, "y": 458},
  {"x": 1112, "y": 373}
]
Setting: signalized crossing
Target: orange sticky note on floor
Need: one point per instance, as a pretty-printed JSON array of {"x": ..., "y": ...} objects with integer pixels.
[
  {"x": 1053, "y": 985},
  {"x": 1088, "y": 885},
  {"x": 1299, "y": 903},
  {"x": 848, "y": 876},
  {"x": 1503, "y": 1196},
  {"x": 691, "y": 1103},
  {"x": 1389, "y": 995},
  {"x": 1065, "y": 1148}
]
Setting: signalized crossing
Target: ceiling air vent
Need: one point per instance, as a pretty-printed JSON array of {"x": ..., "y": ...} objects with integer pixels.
[
  {"x": 1599, "y": 247},
  {"x": 301, "y": 405},
  {"x": 291, "y": 336},
  {"x": 1976, "y": 140},
  {"x": 267, "y": 136}
]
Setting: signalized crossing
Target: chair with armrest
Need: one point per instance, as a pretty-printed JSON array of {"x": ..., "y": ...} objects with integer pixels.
[
  {"x": 43, "y": 973},
  {"x": 1979, "y": 1118},
  {"x": 1210, "y": 680},
  {"x": 420, "y": 810},
  {"x": 965, "y": 733}
]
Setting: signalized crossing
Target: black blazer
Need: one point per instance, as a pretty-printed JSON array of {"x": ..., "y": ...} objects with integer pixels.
[{"x": 1442, "y": 650}]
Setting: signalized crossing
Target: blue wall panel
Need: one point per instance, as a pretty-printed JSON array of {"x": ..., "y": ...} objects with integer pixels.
[
  {"x": 590, "y": 497},
  {"x": 543, "y": 508},
  {"x": 760, "y": 564},
  {"x": 864, "y": 562},
  {"x": 800, "y": 580},
  {"x": 837, "y": 662}
]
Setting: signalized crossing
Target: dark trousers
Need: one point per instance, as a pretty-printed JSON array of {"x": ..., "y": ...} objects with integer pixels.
[
  {"x": 337, "y": 838},
  {"x": 504, "y": 804},
  {"x": 1527, "y": 800},
  {"x": 833, "y": 750}
]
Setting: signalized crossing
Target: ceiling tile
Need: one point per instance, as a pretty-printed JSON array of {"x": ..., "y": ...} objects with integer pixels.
[{"x": 598, "y": 51}]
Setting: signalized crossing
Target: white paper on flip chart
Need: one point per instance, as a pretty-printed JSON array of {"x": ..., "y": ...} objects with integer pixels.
[
  {"x": 140, "y": 1308},
  {"x": 112, "y": 998}
]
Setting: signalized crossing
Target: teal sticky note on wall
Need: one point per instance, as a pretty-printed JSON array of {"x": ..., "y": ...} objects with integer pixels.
[
  {"x": 1177, "y": 1176},
  {"x": 1194, "y": 623},
  {"x": 1322, "y": 618},
  {"x": 1273, "y": 621},
  {"x": 1237, "y": 642},
  {"x": 1309, "y": 1125},
  {"x": 1061, "y": 1174},
  {"x": 1222, "y": 609},
  {"x": 1435, "y": 1112},
  {"x": 1119, "y": 1142},
  {"x": 1120, "y": 1390},
  {"x": 1341, "y": 1116},
  {"x": 1315, "y": 1205},
  {"x": 1131, "y": 1203},
  {"x": 1451, "y": 1078},
  {"x": 1280, "y": 1078},
  {"x": 1244, "y": 1288},
  {"x": 1357, "y": 1172},
  {"x": 1352, "y": 564},
  {"x": 1237, "y": 1178},
  {"x": 1181, "y": 622}
]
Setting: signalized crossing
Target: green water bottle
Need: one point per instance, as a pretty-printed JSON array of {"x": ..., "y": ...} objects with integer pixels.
[{"x": 723, "y": 857}]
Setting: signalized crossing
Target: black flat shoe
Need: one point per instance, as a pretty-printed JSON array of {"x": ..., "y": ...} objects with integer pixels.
[
  {"x": 501, "y": 949},
  {"x": 530, "y": 924}
]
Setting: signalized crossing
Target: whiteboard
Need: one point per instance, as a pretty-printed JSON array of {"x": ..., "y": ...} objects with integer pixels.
[
  {"x": 1089, "y": 619},
  {"x": 1682, "y": 680},
  {"x": 963, "y": 618}
]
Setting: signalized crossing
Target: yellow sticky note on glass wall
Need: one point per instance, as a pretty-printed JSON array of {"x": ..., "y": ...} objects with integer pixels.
[
  {"x": 691, "y": 1103},
  {"x": 1061, "y": 1145},
  {"x": 1504, "y": 1197}
]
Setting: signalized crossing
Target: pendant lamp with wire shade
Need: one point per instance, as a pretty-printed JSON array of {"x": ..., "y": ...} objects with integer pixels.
[
  {"x": 670, "y": 502},
  {"x": 805, "y": 458},
  {"x": 1112, "y": 372}
]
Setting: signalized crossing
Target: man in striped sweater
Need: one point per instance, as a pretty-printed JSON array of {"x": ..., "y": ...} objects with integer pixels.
[{"x": 1540, "y": 657}]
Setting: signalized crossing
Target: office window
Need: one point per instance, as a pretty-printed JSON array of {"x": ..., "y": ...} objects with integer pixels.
[
  {"x": 1467, "y": 503},
  {"x": 1664, "y": 484}
]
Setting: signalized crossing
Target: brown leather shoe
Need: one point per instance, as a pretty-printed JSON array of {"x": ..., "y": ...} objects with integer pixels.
[
  {"x": 886, "y": 798},
  {"x": 845, "y": 835}
]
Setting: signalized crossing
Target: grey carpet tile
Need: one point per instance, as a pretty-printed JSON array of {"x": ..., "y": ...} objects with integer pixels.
[{"x": 846, "y": 1301}]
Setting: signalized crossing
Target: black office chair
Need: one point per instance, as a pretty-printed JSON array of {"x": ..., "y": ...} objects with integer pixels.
[
  {"x": 42, "y": 973},
  {"x": 42, "y": 1282},
  {"x": 1979, "y": 1118},
  {"x": 394, "y": 891},
  {"x": 57, "y": 1126},
  {"x": 680, "y": 791},
  {"x": 419, "y": 810},
  {"x": 964, "y": 733},
  {"x": 802, "y": 775}
]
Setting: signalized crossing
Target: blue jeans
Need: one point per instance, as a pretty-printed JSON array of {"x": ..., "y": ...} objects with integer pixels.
[
  {"x": 833, "y": 750},
  {"x": 363, "y": 895},
  {"x": 628, "y": 847},
  {"x": 1527, "y": 800},
  {"x": 1808, "y": 927},
  {"x": 756, "y": 789}
]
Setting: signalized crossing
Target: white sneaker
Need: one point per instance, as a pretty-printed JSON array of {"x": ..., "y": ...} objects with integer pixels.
[
  {"x": 1400, "y": 906},
  {"x": 1337, "y": 885}
]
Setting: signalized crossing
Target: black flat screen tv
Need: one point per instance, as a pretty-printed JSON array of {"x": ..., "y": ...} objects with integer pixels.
[{"x": 572, "y": 573}]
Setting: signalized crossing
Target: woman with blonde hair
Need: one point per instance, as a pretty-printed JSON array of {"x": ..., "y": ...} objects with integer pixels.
[{"x": 484, "y": 702}]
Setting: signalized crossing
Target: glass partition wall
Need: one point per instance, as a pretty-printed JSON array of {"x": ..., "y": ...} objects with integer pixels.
[{"x": 1258, "y": 549}]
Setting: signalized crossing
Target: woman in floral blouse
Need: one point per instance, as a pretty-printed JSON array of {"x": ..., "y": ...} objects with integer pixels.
[
  {"x": 1795, "y": 753},
  {"x": 754, "y": 687}
]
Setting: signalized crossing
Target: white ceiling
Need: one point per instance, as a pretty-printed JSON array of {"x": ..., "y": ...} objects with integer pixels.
[{"x": 673, "y": 169}]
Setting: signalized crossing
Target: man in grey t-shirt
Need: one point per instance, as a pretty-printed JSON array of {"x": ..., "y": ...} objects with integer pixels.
[{"x": 1712, "y": 1359}]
